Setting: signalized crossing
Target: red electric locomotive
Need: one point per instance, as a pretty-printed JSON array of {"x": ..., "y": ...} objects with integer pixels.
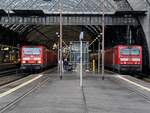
[
  {"x": 37, "y": 58},
  {"x": 124, "y": 58}
]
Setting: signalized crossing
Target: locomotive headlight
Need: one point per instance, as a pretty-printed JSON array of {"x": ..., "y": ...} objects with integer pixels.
[
  {"x": 23, "y": 62},
  {"x": 123, "y": 59},
  {"x": 135, "y": 59},
  {"x": 39, "y": 61}
]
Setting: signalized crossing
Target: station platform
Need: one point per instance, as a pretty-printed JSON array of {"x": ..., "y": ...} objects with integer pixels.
[{"x": 52, "y": 95}]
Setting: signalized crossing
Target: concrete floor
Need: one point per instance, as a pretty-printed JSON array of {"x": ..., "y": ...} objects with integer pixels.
[{"x": 65, "y": 96}]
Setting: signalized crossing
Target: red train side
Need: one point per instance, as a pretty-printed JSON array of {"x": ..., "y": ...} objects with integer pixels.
[
  {"x": 37, "y": 58},
  {"x": 124, "y": 58}
]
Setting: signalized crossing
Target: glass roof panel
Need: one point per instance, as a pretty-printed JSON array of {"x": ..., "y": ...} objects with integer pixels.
[
  {"x": 138, "y": 5},
  {"x": 53, "y": 5}
]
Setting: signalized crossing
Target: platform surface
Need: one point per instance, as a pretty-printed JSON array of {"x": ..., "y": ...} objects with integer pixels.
[{"x": 66, "y": 96}]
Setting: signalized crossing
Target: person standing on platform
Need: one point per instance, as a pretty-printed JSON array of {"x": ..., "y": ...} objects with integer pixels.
[{"x": 65, "y": 64}]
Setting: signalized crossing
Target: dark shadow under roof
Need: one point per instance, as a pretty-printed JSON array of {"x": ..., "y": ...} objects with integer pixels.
[
  {"x": 2, "y": 12},
  {"x": 131, "y": 13},
  {"x": 29, "y": 12}
]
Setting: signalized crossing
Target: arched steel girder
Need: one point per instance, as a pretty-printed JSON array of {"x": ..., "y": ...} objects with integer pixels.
[
  {"x": 148, "y": 1},
  {"x": 15, "y": 27},
  {"x": 19, "y": 28},
  {"x": 70, "y": 33},
  {"x": 24, "y": 30},
  {"x": 97, "y": 29},
  {"x": 29, "y": 29},
  {"x": 93, "y": 29},
  {"x": 54, "y": 29}
]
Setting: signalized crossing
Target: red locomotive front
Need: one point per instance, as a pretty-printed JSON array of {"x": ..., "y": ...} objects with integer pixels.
[
  {"x": 36, "y": 58},
  {"x": 130, "y": 58},
  {"x": 31, "y": 57},
  {"x": 124, "y": 58}
]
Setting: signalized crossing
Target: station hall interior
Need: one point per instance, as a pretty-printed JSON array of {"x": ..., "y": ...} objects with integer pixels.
[
  {"x": 15, "y": 36},
  {"x": 74, "y": 56},
  {"x": 38, "y": 24}
]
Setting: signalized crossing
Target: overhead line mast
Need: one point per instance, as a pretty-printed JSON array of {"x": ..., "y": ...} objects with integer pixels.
[
  {"x": 103, "y": 36},
  {"x": 61, "y": 64}
]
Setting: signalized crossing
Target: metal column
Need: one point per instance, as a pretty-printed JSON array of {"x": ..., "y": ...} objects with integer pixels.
[
  {"x": 81, "y": 52},
  {"x": 61, "y": 64},
  {"x": 103, "y": 35},
  {"x": 99, "y": 55},
  {"x": 81, "y": 74}
]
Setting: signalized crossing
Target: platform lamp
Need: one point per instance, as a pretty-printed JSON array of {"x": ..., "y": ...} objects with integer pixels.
[
  {"x": 58, "y": 48},
  {"x": 99, "y": 51},
  {"x": 81, "y": 52}
]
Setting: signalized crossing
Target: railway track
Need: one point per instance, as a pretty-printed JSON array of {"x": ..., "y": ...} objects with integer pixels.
[
  {"x": 131, "y": 89},
  {"x": 141, "y": 76},
  {"x": 12, "y": 75},
  {"x": 136, "y": 91},
  {"x": 14, "y": 102},
  {"x": 85, "y": 107},
  {"x": 9, "y": 76},
  {"x": 8, "y": 72},
  {"x": 140, "y": 94}
]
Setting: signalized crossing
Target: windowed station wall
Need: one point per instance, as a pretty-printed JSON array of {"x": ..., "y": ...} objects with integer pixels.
[{"x": 75, "y": 54}]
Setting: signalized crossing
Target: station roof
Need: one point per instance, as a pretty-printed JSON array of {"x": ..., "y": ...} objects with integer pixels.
[
  {"x": 49, "y": 6},
  {"x": 52, "y": 6},
  {"x": 138, "y": 5},
  {"x": 69, "y": 6}
]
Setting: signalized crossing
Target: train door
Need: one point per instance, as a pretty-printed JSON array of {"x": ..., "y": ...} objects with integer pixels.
[
  {"x": 113, "y": 60},
  {"x": 45, "y": 57}
]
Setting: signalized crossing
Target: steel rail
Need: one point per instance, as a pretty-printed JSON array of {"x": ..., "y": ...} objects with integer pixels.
[
  {"x": 8, "y": 73},
  {"x": 14, "y": 102},
  {"x": 11, "y": 80},
  {"x": 147, "y": 98}
]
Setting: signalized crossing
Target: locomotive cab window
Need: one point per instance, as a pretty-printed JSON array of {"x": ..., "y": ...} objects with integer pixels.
[
  {"x": 124, "y": 51},
  {"x": 34, "y": 51},
  {"x": 135, "y": 51},
  {"x": 130, "y": 51}
]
